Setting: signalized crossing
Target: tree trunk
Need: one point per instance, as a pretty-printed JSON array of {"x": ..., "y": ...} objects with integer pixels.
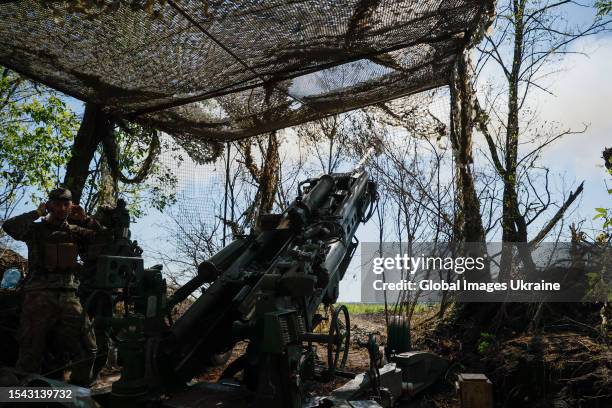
[
  {"x": 514, "y": 227},
  {"x": 468, "y": 222},
  {"x": 268, "y": 179},
  {"x": 108, "y": 186},
  {"x": 468, "y": 226},
  {"x": 94, "y": 126},
  {"x": 469, "y": 235}
]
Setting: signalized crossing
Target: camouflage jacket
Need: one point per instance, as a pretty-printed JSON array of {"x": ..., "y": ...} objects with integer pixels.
[{"x": 52, "y": 249}]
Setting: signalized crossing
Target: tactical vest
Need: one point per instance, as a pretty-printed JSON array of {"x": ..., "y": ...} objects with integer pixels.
[{"x": 53, "y": 257}]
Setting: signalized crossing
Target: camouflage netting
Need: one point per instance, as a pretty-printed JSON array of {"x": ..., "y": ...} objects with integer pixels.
[{"x": 206, "y": 69}]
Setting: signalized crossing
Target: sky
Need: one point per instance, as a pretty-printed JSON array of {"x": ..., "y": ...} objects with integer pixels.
[
  {"x": 581, "y": 93},
  {"x": 581, "y": 96}
]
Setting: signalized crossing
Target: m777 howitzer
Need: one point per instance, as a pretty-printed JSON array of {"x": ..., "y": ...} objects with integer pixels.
[{"x": 265, "y": 288}]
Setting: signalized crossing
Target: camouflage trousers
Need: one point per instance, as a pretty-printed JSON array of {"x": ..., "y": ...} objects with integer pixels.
[
  {"x": 53, "y": 320},
  {"x": 98, "y": 304}
]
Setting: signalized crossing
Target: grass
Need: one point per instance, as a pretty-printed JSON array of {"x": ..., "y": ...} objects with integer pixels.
[
  {"x": 364, "y": 308},
  {"x": 367, "y": 308}
]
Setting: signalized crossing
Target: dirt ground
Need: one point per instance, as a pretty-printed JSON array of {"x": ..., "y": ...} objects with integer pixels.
[
  {"x": 358, "y": 361},
  {"x": 558, "y": 370},
  {"x": 438, "y": 396}
]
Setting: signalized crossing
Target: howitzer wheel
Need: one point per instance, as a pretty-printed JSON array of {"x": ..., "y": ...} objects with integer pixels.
[{"x": 339, "y": 340}]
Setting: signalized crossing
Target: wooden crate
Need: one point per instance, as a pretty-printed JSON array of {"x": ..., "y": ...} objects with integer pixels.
[{"x": 475, "y": 391}]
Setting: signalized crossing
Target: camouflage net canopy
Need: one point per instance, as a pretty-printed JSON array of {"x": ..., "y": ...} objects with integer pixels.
[{"x": 222, "y": 70}]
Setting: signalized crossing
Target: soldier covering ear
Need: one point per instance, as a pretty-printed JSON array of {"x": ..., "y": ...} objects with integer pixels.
[{"x": 51, "y": 312}]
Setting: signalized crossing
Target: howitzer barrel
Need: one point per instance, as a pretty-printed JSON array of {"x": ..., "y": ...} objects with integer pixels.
[
  {"x": 368, "y": 154},
  {"x": 319, "y": 192},
  {"x": 209, "y": 270}
]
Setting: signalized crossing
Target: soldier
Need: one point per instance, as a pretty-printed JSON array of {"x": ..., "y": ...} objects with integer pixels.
[{"x": 51, "y": 311}]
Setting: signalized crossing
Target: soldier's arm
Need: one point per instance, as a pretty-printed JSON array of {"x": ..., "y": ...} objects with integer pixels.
[
  {"x": 87, "y": 230},
  {"x": 87, "y": 223},
  {"x": 79, "y": 218},
  {"x": 93, "y": 224},
  {"x": 20, "y": 227}
]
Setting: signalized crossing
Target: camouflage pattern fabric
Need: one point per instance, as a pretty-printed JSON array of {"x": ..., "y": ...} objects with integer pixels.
[
  {"x": 98, "y": 303},
  {"x": 55, "y": 318},
  {"x": 52, "y": 249},
  {"x": 52, "y": 317}
]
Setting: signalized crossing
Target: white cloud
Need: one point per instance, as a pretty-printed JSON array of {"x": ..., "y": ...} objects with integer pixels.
[{"x": 583, "y": 95}]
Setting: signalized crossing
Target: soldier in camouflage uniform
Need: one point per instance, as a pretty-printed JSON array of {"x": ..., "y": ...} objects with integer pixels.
[{"x": 52, "y": 316}]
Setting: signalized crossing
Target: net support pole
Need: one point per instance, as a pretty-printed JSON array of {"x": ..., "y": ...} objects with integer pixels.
[{"x": 227, "y": 175}]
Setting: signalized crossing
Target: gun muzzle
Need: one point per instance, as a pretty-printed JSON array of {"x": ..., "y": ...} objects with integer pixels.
[{"x": 367, "y": 156}]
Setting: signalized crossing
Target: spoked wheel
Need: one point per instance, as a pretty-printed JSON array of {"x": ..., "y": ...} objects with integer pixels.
[
  {"x": 322, "y": 318},
  {"x": 339, "y": 340}
]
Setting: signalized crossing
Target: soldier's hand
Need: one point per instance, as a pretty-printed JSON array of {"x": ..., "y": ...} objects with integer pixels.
[
  {"x": 42, "y": 209},
  {"x": 77, "y": 213}
]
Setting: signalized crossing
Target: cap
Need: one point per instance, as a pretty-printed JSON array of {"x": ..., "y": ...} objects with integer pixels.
[{"x": 60, "y": 194}]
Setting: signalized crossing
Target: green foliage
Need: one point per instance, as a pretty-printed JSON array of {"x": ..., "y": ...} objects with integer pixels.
[
  {"x": 37, "y": 128},
  {"x": 157, "y": 189},
  {"x": 606, "y": 213},
  {"x": 598, "y": 286},
  {"x": 604, "y": 7},
  {"x": 598, "y": 283},
  {"x": 485, "y": 342}
]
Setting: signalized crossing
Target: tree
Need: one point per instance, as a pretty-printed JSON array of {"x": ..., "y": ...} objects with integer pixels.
[
  {"x": 95, "y": 126},
  {"x": 263, "y": 175},
  {"x": 126, "y": 164},
  {"x": 36, "y": 129},
  {"x": 43, "y": 146},
  {"x": 605, "y": 214},
  {"x": 529, "y": 37},
  {"x": 416, "y": 202},
  {"x": 604, "y": 7},
  {"x": 327, "y": 139}
]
